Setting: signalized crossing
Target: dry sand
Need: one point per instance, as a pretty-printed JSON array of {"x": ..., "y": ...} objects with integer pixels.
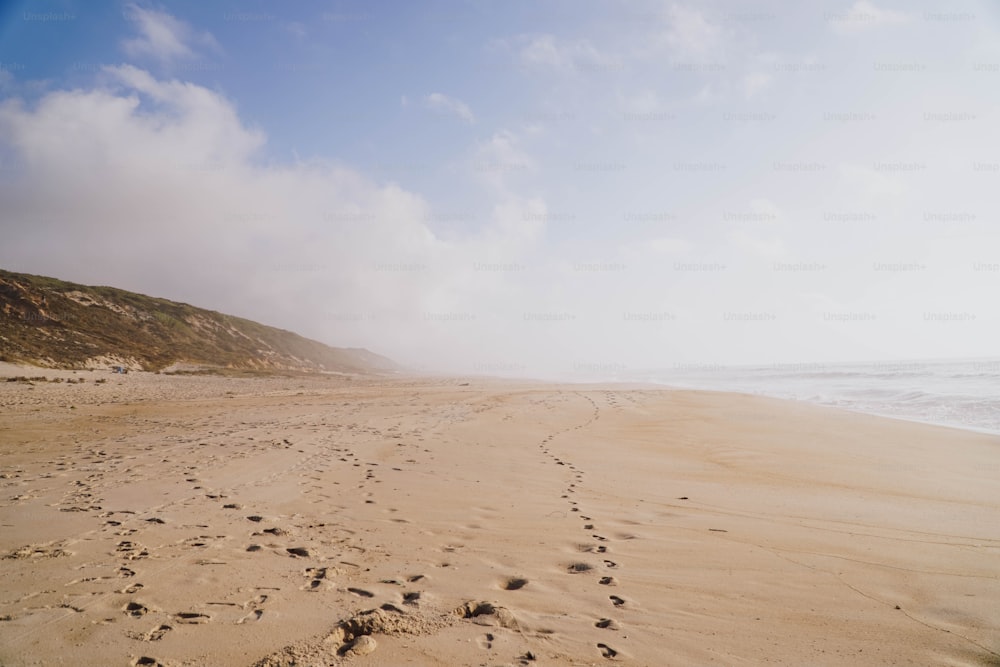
[{"x": 214, "y": 521}]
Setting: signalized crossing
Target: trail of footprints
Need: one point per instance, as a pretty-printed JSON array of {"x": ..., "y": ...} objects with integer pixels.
[
  {"x": 589, "y": 526},
  {"x": 76, "y": 481},
  {"x": 134, "y": 556},
  {"x": 124, "y": 525},
  {"x": 275, "y": 536}
]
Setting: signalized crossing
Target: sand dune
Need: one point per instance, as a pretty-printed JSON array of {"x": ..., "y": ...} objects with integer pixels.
[{"x": 216, "y": 521}]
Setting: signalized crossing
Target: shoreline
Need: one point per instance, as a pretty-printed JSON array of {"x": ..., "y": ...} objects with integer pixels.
[
  {"x": 462, "y": 521},
  {"x": 7, "y": 368},
  {"x": 910, "y": 420}
]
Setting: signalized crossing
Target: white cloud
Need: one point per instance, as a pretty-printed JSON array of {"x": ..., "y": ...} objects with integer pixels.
[
  {"x": 549, "y": 52},
  {"x": 163, "y": 37},
  {"x": 755, "y": 245},
  {"x": 444, "y": 104},
  {"x": 864, "y": 15},
  {"x": 168, "y": 175},
  {"x": 872, "y": 182},
  {"x": 163, "y": 174},
  {"x": 655, "y": 249},
  {"x": 517, "y": 222},
  {"x": 192, "y": 127},
  {"x": 755, "y": 82},
  {"x": 707, "y": 95},
  {"x": 645, "y": 101},
  {"x": 765, "y": 210},
  {"x": 500, "y": 159},
  {"x": 296, "y": 29},
  {"x": 689, "y": 34}
]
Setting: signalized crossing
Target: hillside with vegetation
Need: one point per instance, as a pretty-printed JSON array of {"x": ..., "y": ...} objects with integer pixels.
[{"x": 57, "y": 324}]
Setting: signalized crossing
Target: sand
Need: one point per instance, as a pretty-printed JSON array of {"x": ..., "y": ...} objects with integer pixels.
[{"x": 171, "y": 520}]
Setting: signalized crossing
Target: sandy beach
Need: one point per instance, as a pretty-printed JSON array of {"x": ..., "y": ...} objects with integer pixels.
[{"x": 192, "y": 520}]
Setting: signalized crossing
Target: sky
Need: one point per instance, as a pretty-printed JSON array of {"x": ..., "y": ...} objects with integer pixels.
[{"x": 549, "y": 188}]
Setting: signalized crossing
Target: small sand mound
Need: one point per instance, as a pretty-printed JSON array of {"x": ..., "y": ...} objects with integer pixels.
[
  {"x": 352, "y": 637},
  {"x": 375, "y": 622},
  {"x": 362, "y": 645},
  {"x": 36, "y": 551},
  {"x": 302, "y": 653},
  {"x": 486, "y": 613}
]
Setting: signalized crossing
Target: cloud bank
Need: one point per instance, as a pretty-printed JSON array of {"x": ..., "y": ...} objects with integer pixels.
[{"x": 667, "y": 190}]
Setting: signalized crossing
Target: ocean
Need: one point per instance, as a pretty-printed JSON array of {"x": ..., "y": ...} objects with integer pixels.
[{"x": 963, "y": 393}]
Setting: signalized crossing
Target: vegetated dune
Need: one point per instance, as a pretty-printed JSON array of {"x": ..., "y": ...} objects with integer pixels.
[{"x": 49, "y": 322}]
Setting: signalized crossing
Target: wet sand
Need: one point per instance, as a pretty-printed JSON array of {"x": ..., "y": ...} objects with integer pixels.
[{"x": 178, "y": 520}]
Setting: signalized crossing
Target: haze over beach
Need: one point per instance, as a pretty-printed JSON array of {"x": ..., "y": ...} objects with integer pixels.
[
  {"x": 526, "y": 187},
  {"x": 522, "y": 333}
]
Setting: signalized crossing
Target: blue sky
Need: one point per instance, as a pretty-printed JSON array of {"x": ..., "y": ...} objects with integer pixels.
[{"x": 552, "y": 187}]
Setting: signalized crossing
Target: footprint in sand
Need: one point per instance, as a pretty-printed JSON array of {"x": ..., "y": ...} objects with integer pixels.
[
  {"x": 156, "y": 634},
  {"x": 361, "y": 592},
  {"x": 255, "y": 602},
  {"x": 316, "y": 576},
  {"x": 608, "y": 581},
  {"x": 577, "y": 568},
  {"x": 135, "y": 609},
  {"x": 607, "y": 624},
  {"x": 131, "y": 550},
  {"x": 611, "y": 564},
  {"x": 526, "y": 659},
  {"x": 192, "y": 617},
  {"x": 145, "y": 661},
  {"x": 607, "y": 651},
  {"x": 617, "y": 601},
  {"x": 515, "y": 584},
  {"x": 252, "y": 616}
]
